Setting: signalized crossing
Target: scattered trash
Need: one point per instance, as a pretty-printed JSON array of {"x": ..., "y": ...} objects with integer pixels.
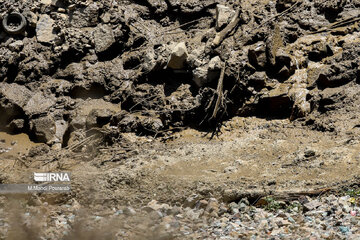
[{"x": 14, "y": 23}]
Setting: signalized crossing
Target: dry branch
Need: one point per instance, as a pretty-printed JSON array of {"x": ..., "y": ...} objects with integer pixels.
[
  {"x": 229, "y": 28},
  {"x": 219, "y": 91},
  {"x": 282, "y": 13}
]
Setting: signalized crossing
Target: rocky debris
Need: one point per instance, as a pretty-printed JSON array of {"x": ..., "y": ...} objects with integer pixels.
[
  {"x": 326, "y": 217},
  {"x": 141, "y": 57},
  {"x": 38, "y": 104},
  {"x": 223, "y": 16},
  {"x": 207, "y": 74},
  {"x": 61, "y": 127},
  {"x": 98, "y": 118},
  {"x": 16, "y": 46},
  {"x": 127, "y": 122},
  {"x": 45, "y": 30},
  {"x": 15, "y": 94},
  {"x": 44, "y": 128},
  {"x": 80, "y": 17},
  {"x": 103, "y": 38},
  {"x": 257, "y": 55},
  {"x": 16, "y": 125},
  {"x": 178, "y": 56},
  {"x": 299, "y": 95}
]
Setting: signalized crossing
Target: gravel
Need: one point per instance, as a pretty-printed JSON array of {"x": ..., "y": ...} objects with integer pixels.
[{"x": 327, "y": 217}]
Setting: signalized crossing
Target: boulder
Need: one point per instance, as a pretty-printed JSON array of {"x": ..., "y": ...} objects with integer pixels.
[
  {"x": 88, "y": 113},
  {"x": 283, "y": 74},
  {"x": 196, "y": 57},
  {"x": 103, "y": 38},
  {"x": 223, "y": 16},
  {"x": 45, "y": 30},
  {"x": 128, "y": 122},
  {"x": 31, "y": 18},
  {"x": 178, "y": 56},
  {"x": 13, "y": 97},
  {"x": 283, "y": 58},
  {"x": 78, "y": 122},
  {"x": 215, "y": 66}
]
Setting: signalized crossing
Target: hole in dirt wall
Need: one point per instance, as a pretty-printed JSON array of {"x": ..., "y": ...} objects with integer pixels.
[{"x": 96, "y": 91}]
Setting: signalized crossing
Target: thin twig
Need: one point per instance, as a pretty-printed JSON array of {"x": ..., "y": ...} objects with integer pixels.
[
  {"x": 338, "y": 24},
  {"x": 282, "y": 13},
  {"x": 182, "y": 25},
  {"x": 81, "y": 143}
]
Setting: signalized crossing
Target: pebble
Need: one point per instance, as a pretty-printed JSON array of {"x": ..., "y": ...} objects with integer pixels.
[
  {"x": 344, "y": 230},
  {"x": 129, "y": 211}
]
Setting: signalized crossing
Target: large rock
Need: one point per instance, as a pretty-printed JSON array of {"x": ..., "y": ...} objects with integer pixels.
[
  {"x": 316, "y": 72},
  {"x": 103, "y": 38},
  {"x": 178, "y": 56},
  {"x": 214, "y": 69},
  {"x": 16, "y": 125},
  {"x": 13, "y": 97},
  {"x": 89, "y": 112},
  {"x": 38, "y": 104},
  {"x": 276, "y": 103},
  {"x": 16, "y": 46},
  {"x": 260, "y": 80},
  {"x": 45, "y": 30},
  {"x": 44, "y": 129},
  {"x": 223, "y": 16},
  {"x": 98, "y": 118},
  {"x": 15, "y": 94},
  {"x": 208, "y": 73}
]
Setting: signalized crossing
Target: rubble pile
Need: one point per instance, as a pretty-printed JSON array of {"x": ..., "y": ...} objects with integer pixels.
[{"x": 144, "y": 66}]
